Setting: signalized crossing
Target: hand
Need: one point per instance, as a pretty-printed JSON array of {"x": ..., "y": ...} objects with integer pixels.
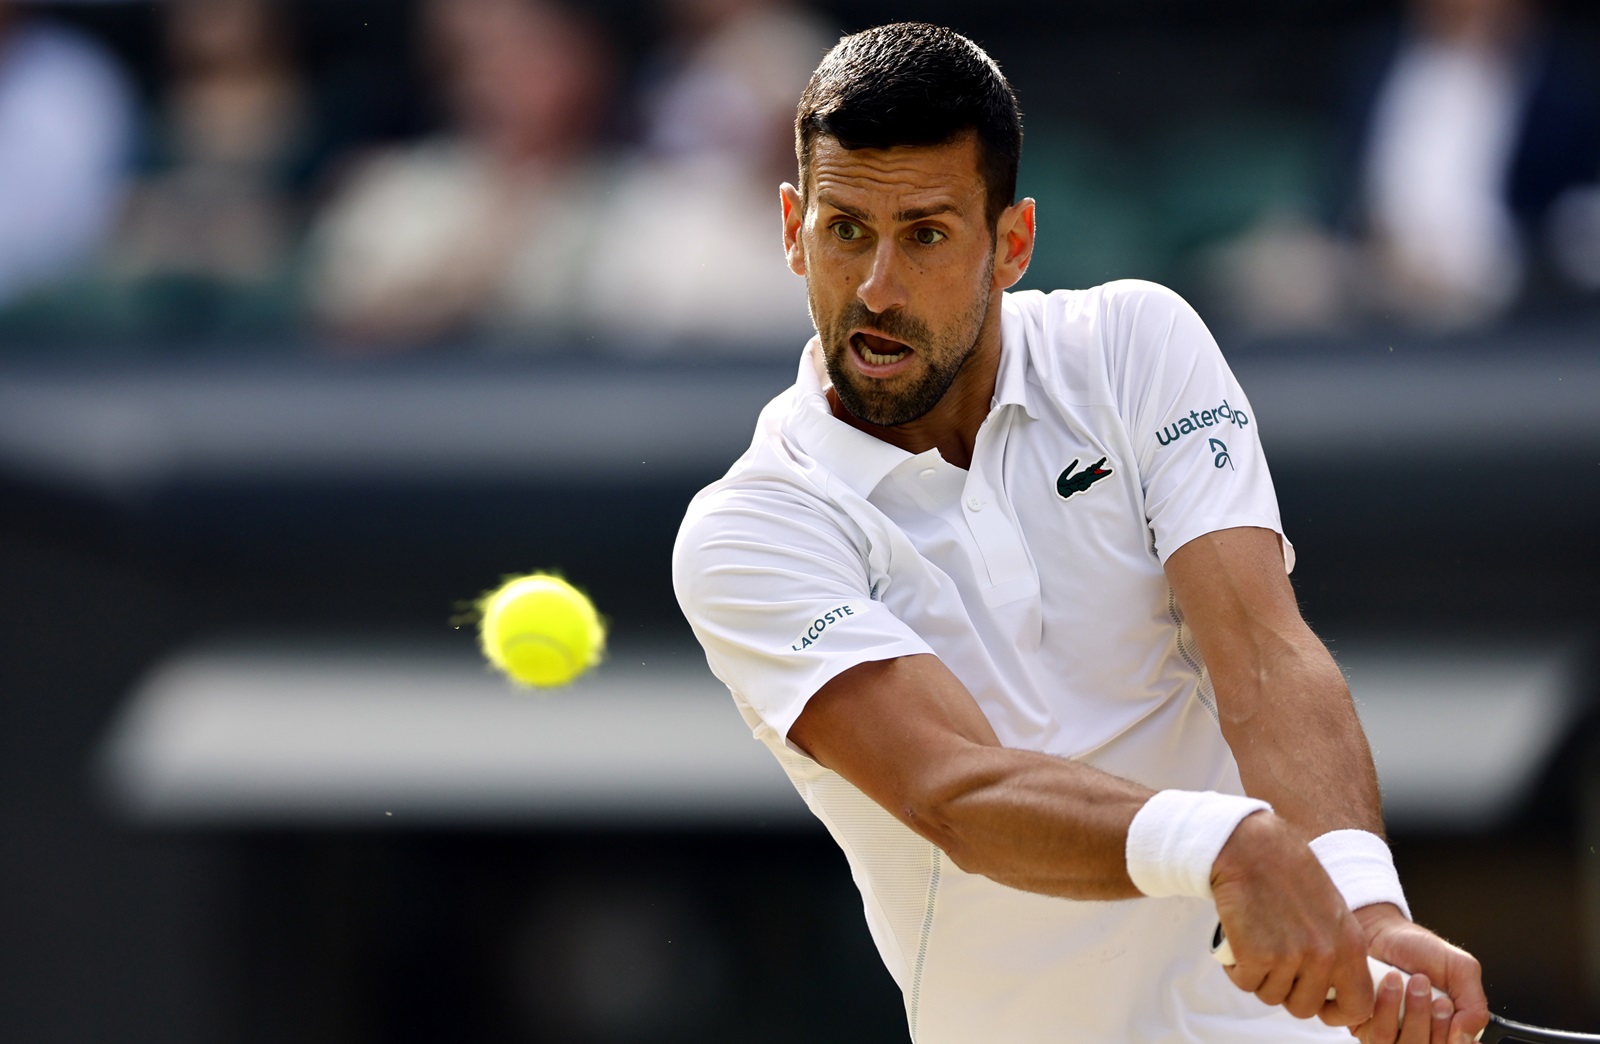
[
  {"x": 1433, "y": 962},
  {"x": 1292, "y": 936}
]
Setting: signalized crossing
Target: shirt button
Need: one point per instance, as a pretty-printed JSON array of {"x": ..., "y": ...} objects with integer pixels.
[
  {"x": 928, "y": 473},
  {"x": 975, "y": 503}
]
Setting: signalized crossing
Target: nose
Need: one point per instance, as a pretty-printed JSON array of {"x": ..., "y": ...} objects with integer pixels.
[{"x": 884, "y": 288}]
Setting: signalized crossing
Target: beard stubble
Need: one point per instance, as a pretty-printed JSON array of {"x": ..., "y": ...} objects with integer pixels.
[{"x": 872, "y": 400}]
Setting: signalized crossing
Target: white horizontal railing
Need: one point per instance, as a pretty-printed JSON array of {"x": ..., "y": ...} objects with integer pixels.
[{"x": 308, "y": 736}]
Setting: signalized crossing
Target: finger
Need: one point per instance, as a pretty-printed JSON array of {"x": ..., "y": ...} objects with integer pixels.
[
  {"x": 1351, "y": 979},
  {"x": 1384, "y": 1026},
  {"x": 1308, "y": 995},
  {"x": 1276, "y": 986},
  {"x": 1442, "y": 1012},
  {"x": 1418, "y": 1024},
  {"x": 1247, "y": 977},
  {"x": 1464, "y": 983}
]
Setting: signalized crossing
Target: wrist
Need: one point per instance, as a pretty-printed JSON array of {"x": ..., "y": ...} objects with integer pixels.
[
  {"x": 1175, "y": 837},
  {"x": 1374, "y": 918},
  {"x": 1362, "y": 868}
]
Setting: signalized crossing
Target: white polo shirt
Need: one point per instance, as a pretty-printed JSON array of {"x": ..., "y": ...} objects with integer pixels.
[{"x": 1117, "y": 434}]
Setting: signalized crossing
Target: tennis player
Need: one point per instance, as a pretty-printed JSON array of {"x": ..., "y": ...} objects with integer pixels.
[{"x": 1001, "y": 582}]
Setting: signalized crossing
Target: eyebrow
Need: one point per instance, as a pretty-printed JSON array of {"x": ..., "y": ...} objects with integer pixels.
[
  {"x": 918, "y": 213},
  {"x": 914, "y": 214}
]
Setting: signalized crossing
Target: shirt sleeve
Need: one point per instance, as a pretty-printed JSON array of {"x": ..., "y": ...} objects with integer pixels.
[
  {"x": 1201, "y": 463},
  {"x": 780, "y": 597}
]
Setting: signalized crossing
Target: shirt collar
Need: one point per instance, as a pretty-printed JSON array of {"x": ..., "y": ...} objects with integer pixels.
[
  {"x": 861, "y": 461},
  {"x": 1011, "y": 383},
  {"x": 849, "y": 454}
]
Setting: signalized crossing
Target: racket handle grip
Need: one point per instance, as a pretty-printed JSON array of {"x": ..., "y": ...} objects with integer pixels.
[{"x": 1222, "y": 950}]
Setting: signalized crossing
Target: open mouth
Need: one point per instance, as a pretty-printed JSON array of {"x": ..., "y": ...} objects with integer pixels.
[{"x": 876, "y": 350}]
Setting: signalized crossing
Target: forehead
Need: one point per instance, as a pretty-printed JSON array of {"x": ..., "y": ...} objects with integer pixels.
[{"x": 908, "y": 177}]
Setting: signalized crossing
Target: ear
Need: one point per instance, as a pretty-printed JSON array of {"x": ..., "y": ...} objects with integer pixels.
[
  {"x": 1013, "y": 244},
  {"x": 793, "y": 212}
]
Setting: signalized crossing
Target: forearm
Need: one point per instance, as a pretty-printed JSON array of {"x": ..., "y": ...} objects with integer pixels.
[
  {"x": 1282, "y": 703},
  {"x": 908, "y": 735},
  {"x": 1060, "y": 827},
  {"x": 1287, "y": 715},
  {"x": 1031, "y": 821}
]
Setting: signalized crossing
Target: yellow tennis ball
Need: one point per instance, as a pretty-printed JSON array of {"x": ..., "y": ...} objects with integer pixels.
[{"x": 540, "y": 630}]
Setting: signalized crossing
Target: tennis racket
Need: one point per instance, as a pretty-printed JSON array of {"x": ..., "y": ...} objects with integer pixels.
[{"x": 1499, "y": 1030}]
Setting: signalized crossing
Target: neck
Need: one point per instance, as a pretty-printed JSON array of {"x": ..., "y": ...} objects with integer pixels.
[{"x": 952, "y": 426}]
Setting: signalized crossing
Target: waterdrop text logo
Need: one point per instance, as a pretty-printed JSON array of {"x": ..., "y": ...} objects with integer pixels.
[{"x": 1197, "y": 419}]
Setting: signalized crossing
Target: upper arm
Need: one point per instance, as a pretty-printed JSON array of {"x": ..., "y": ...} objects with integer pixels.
[
  {"x": 1201, "y": 464},
  {"x": 897, "y": 729},
  {"x": 1235, "y": 595},
  {"x": 906, "y": 733},
  {"x": 1209, "y": 500},
  {"x": 1231, "y": 584},
  {"x": 1281, "y": 701},
  {"x": 780, "y": 597}
]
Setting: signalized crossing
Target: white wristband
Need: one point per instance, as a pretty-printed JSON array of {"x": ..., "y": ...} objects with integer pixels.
[
  {"x": 1174, "y": 839},
  {"x": 1362, "y": 868}
]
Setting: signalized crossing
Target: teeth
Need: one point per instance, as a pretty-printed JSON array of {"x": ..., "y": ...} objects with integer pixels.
[
  {"x": 873, "y": 357},
  {"x": 879, "y": 360}
]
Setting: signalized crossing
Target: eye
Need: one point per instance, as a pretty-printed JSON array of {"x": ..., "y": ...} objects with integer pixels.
[
  {"x": 848, "y": 231},
  {"x": 927, "y": 236}
]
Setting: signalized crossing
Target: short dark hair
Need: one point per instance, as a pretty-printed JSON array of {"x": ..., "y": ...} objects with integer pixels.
[{"x": 911, "y": 84}]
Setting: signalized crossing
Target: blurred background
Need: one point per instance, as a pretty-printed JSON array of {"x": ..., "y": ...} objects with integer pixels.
[{"x": 317, "y": 319}]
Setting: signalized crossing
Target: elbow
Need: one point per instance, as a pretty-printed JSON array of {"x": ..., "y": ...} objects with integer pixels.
[
  {"x": 930, "y": 816},
  {"x": 1297, "y": 674},
  {"x": 942, "y": 815},
  {"x": 1235, "y": 713},
  {"x": 967, "y": 857}
]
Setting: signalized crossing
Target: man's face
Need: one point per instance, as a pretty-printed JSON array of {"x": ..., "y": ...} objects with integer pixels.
[{"x": 899, "y": 264}]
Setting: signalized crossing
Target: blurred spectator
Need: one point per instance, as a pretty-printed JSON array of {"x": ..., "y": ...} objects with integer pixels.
[
  {"x": 66, "y": 118},
  {"x": 1477, "y": 133},
  {"x": 216, "y": 216},
  {"x": 727, "y": 79},
  {"x": 488, "y": 223},
  {"x": 1479, "y": 124},
  {"x": 702, "y": 256}
]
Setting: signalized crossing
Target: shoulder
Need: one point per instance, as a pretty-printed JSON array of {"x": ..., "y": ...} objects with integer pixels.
[
  {"x": 1125, "y": 303},
  {"x": 769, "y": 496},
  {"x": 758, "y": 507},
  {"x": 1069, "y": 304},
  {"x": 763, "y": 540},
  {"x": 773, "y": 494},
  {"x": 1085, "y": 342},
  {"x": 1107, "y": 313}
]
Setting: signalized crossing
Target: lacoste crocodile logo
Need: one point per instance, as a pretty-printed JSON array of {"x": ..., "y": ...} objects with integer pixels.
[{"x": 1069, "y": 483}]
